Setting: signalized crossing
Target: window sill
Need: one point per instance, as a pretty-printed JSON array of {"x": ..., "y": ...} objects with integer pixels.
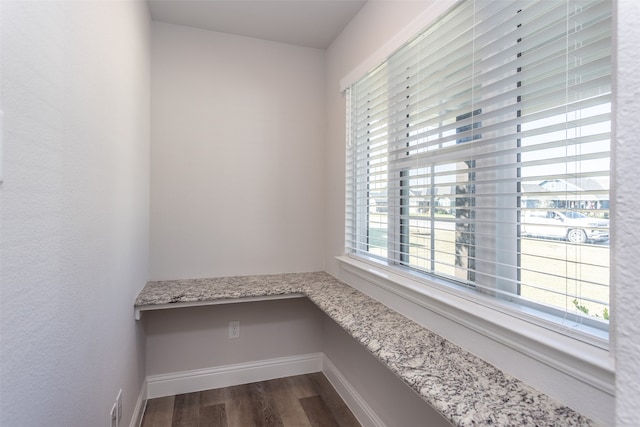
[{"x": 585, "y": 362}]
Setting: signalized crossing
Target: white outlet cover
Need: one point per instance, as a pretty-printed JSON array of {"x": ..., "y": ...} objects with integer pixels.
[{"x": 234, "y": 329}]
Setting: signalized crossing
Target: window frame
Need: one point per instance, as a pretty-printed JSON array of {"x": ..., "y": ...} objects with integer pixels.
[
  {"x": 547, "y": 318},
  {"x": 421, "y": 299}
]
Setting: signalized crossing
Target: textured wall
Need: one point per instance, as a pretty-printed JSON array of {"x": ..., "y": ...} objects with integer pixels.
[
  {"x": 626, "y": 216},
  {"x": 236, "y": 155},
  {"x": 74, "y": 249}
]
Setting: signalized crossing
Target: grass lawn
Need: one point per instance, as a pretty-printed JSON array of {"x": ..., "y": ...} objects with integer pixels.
[{"x": 553, "y": 272}]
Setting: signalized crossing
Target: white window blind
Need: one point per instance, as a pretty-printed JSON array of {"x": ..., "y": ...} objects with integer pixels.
[{"x": 479, "y": 154}]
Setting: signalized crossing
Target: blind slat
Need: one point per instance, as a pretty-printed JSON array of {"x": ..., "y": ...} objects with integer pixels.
[{"x": 482, "y": 137}]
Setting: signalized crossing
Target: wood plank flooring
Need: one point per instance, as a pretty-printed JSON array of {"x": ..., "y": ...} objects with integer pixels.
[{"x": 298, "y": 401}]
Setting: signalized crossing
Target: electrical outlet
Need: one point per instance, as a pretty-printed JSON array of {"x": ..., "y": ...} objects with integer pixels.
[
  {"x": 114, "y": 415},
  {"x": 119, "y": 402},
  {"x": 234, "y": 329}
]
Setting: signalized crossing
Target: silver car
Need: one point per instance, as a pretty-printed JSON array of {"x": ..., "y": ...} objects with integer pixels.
[{"x": 573, "y": 226}]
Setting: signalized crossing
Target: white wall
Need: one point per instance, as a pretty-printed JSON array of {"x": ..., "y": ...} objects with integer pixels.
[
  {"x": 376, "y": 24},
  {"x": 196, "y": 338},
  {"x": 625, "y": 268},
  {"x": 75, "y": 197},
  {"x": 236, "y": 157}
]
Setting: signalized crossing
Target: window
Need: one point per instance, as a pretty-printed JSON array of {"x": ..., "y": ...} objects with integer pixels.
[{"x": 478, "y": 158}]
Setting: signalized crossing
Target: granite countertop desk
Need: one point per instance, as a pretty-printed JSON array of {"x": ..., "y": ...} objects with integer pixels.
[{"x": 462, "y": 387}]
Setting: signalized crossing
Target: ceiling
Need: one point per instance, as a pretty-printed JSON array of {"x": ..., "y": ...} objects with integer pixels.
[{"x": 309, "y": 23}]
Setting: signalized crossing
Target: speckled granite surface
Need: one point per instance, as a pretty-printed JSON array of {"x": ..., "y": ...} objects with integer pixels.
[{"x": 462, "y": 387}]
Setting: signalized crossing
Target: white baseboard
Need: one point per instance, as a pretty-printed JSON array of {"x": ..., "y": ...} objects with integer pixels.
[
  {"x": 229, "y": 375},
  {"x": 243, "y": 373},
  {"x": 359, "y": 407},
  {"x": 141, "y": 403}
]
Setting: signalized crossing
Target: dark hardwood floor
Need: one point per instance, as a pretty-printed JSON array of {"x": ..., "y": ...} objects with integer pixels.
[{"x": 300, "y": 401}]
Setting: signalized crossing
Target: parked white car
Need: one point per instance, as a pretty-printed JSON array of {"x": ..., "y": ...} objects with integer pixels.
[{"x": 574, "y": 226}]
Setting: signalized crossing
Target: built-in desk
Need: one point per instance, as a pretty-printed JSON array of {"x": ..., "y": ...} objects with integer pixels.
[{"x": 463, "y": 388}]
